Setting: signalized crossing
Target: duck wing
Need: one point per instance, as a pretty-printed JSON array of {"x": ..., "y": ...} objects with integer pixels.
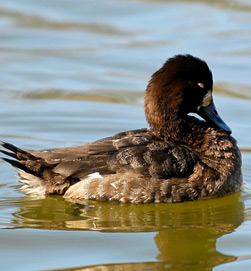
[{"x": 138, "y": 151}]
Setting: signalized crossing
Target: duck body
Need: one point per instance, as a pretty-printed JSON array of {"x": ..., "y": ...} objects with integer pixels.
[{"x": 179, "y": 158}]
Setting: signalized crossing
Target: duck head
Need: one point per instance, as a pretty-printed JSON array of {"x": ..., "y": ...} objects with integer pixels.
[{"x": 183, "y": 85}]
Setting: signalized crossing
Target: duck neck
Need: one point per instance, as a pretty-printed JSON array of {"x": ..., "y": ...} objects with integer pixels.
[
  {"x": 165, "y": 113},
  {"x": 181, "y": 130},
  {"x": 169, "y": 129}
]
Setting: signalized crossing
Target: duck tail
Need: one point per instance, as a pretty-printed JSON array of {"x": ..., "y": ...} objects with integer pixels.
[
  {"x": 18, "y": 158},
  {"x": 18, "y": 154}
]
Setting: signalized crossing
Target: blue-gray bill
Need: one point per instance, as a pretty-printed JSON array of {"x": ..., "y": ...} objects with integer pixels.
[{"x": 210, "y": 114}]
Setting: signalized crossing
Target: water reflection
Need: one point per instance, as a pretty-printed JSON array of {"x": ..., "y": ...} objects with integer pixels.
[
  {"x": 186, "y": 232},
  {"x": 147, "y": 266}
]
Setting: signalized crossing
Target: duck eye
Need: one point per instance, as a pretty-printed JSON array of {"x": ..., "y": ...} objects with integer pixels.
[{"x": 201, "y": 85}]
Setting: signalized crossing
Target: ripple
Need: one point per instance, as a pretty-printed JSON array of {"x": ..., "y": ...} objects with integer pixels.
[
  {"x": 243, "y": 5},
  {"x": 121, "y": 96},
  {"x": 234, "y": 90},
  {"x": 24, "y": 19}
]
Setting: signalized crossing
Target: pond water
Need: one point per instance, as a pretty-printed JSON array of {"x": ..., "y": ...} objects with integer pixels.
[{"x": 75, "y": 71}]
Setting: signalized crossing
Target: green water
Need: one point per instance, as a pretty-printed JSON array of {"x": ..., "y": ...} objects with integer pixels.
[{"x": 75, "y": 71}]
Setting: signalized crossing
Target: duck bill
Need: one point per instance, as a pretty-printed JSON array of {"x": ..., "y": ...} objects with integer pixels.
[{"x": 210, "y": 114}]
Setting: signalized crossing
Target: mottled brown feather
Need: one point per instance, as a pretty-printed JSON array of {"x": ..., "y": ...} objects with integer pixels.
[{"x": 179, "y": 158}]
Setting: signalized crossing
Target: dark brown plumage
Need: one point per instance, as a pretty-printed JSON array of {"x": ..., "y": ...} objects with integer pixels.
[{"x": 179, "y": 158}]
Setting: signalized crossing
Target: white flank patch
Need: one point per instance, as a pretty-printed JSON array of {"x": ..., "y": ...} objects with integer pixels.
[{"x": 95, "y": 175}]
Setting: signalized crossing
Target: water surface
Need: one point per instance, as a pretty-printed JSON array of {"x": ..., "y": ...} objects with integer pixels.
[{"x": 75, "y": 71}]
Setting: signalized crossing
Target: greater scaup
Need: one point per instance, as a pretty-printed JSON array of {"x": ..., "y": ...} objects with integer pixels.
[{"x": 179, "y": 158}]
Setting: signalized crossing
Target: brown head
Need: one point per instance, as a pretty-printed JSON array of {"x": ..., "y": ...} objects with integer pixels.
[{"x": 183, "y": 85}]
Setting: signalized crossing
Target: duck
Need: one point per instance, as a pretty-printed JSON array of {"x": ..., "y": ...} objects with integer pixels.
[{"x": 187, "y": 152}]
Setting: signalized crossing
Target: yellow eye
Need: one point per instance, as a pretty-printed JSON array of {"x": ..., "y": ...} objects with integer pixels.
[{"x": 201, "y": 85}]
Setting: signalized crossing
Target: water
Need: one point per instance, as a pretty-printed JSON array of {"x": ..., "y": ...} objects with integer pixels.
[{"x": 75, "y": 71}]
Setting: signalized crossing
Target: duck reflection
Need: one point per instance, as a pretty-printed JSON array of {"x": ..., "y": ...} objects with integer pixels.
[{"x": 186, "y": 232}]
